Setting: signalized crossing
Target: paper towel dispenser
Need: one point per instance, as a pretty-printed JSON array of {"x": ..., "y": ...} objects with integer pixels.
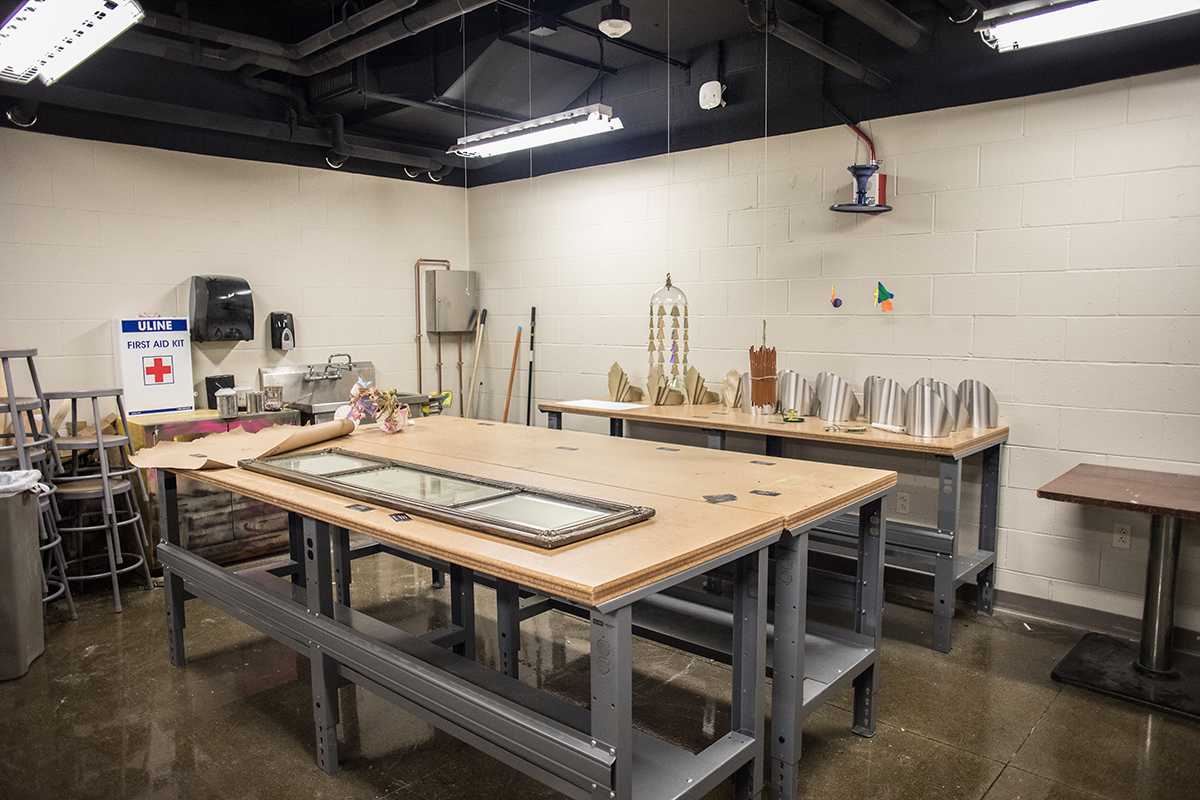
[{"x": 221, "y": 309}]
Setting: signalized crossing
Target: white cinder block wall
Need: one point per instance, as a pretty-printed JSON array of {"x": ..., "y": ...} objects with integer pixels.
[
  {"x": 1048, "y": 246},
  {"x": 91, "y": 232}
]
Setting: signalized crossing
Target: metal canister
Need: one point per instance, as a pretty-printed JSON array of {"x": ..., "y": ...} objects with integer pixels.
[
  {"x": 272, "y": 398},
  {"x": 227, "y": 404},
  {"x": 254, "y": 402}
]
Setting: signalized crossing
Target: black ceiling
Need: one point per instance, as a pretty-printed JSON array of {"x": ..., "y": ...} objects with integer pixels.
[{"x": 272, "y": 80}]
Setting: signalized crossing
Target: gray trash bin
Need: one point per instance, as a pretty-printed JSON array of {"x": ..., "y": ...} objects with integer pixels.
[{"x": 22, "y": 636}]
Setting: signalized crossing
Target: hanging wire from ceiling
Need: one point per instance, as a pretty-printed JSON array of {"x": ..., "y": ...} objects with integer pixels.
[{"x": 529, "y": 71}]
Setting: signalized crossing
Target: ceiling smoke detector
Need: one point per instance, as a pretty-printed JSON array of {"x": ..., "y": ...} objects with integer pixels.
[{"x": 614, "y": 20}]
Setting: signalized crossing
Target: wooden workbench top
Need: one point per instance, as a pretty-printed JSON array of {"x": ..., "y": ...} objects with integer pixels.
[
  {"x": 723, "y": 418},
  {"x": 1164, "y": 493},
  {"x": 686, "y": 531},
  {"x": 797, "y": 491}
]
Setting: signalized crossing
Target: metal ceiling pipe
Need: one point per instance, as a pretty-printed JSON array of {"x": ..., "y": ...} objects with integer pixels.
[
  {"x": 818, "y": 49},
  {"x": 764, "y": 19},
  {"x": 234, "y": 58},
  {"x": 410, "y": 24},
  {"x": 318, "y": 41},
  {"x": 355, "y": 146},
  {"x": 884, "y": 18}
]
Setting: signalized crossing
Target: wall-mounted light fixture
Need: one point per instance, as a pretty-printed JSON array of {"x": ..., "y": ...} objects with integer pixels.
[
  {"x": 1036, "y": 22},
  {"x": 46, "y": 39},
  {"x": 573, "y": 124},
  {"x": 614, "y": 20}
]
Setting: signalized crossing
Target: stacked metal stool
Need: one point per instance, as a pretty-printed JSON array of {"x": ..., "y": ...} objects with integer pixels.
[
  {"x": 96, "y": 487},
  {"x": 30, "y": 445}
]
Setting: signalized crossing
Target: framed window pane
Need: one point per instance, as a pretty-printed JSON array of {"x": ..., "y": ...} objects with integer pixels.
[
  {"x": 537, "y": 512},
  {"x": 527, "y": 514},
  {"x": 411, "y": 483},
  {"x": 323, "y": 463}
]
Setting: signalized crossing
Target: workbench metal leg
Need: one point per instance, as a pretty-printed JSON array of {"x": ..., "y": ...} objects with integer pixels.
[
  {"x": 508, "y": 625},
  {"x": 612, "y": 694},
  {"x": 872, "y": 533},
  {"x": 989, "y": 509},
  {"x": 787, "y": 681},
  {"x": 749, "y": 665},
  {"x": 943, "y": 601},
  {"x": 773, "y": 447},
  {"x": 949, "y": 498},
  {"x": 616, "y": 427},
  {"x": 168, "y": 520},
  {"x": 462, "y": 608},
  {"x": 554, "y": 420},
  {"x": 341, "y": 563},
  {"x": 319, "y": 570},
  {"x": 716, "y": 439},
  {"x": 296, "y": 548}
]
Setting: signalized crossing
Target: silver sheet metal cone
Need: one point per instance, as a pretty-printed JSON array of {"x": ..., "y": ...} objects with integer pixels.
[
  {"x": 950, "y": 398},
  {"x": 866, "y": 394},
  {"x": 927, "y": 414},
  {"x": 787, "y": 386},
  {"x": 796, "y": 393},
  {"x": 837, "y": 400},
  {"x": 822, "y": 377},
  {"x": 886, "y": 403},
  {"x": 980, "y": 404}
]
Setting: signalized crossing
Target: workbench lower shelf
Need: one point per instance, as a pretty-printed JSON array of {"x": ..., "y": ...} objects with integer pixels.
[{"x": 536, "y": 732}]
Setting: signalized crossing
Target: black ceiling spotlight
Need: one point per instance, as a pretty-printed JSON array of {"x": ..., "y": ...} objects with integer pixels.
[
  {"x": 614, "y": 20},
  {"x": 337, "y": 154},
  {"x": 23, "y": 113}
]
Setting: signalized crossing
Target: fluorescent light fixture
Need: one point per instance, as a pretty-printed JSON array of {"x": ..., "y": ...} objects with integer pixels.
[
  {"x": 46, "y": 39},
  {"x": 1029, "y": 24},
  {"x": 573, "y": 124}
]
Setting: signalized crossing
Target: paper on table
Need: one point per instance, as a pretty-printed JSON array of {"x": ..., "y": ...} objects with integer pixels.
[
  {"x": 601, "y": 405},
  {"x": 227, "y": 449}
]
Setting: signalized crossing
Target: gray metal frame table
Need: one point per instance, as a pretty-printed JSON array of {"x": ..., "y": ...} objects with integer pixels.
[
  {"x": 932, "y": 550},
  {"x": 583, "y": 755},
  {"x": 1151, "y": 675},
  {"x": 809, "y": 662}
]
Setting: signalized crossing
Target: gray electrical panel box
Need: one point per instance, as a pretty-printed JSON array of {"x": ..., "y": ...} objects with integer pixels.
[{"x": 451, "y": 300}]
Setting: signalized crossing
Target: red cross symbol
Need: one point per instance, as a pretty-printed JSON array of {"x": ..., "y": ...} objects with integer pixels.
[{"x": 158, "y": 370}]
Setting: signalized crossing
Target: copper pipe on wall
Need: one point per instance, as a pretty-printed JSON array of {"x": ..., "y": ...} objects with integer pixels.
[
  {"x": 462, "y": 409},
  {"x": 439, "y": 361}
]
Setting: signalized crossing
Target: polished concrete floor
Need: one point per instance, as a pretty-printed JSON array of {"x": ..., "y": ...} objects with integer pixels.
[{"x": 102, "y": 714}]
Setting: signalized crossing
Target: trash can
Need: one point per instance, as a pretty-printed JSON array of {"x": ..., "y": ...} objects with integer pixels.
[{"x": 22, "y": 636}]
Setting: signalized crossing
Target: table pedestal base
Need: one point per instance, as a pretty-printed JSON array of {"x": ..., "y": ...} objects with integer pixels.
[{"x": 1109, "y": 666}]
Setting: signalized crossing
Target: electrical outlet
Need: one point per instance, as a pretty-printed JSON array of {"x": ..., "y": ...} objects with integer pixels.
[
  {"x": 1121, "y": 535},
  {"x": 901, "y": 502}
]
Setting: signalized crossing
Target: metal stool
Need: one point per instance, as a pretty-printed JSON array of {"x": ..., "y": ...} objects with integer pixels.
[
  {"x": 95, "y": 489},
  {"x": 31, "y": 445}
]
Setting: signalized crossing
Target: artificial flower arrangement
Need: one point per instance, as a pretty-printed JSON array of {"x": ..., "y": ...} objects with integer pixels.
[{"x": 384, "y": 406}]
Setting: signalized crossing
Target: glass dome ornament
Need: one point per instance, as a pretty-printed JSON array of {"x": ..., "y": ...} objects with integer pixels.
[{"x": 668, "y": 340}]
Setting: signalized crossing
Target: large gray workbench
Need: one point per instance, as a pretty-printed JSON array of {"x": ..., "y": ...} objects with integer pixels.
[
  {"x": 611, "y": 579},
  {"x": 933, "y": 550}
]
